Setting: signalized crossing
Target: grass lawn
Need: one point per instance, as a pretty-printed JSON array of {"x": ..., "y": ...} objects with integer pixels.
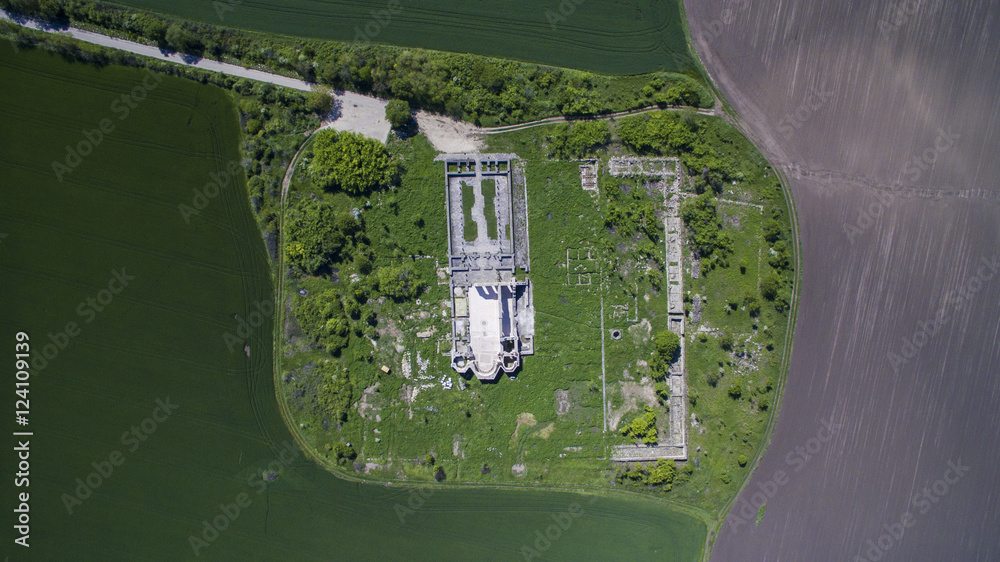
[
  {"x": 489, "y": 189},
  {"x": 468, "y": 201}
]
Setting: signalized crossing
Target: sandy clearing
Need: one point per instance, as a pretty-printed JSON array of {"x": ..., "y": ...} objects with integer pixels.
[
  {"x": 633, "y": 393},
  {"x": 359, "y": 114},
  {"x": 449, "y": 135},
  {"x": 547, "y": 430},
  {"x": 524, "y": 418}
]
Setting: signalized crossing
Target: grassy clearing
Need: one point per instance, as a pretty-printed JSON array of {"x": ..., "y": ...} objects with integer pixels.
[
  {"x": 481, "y": 434},
  {"x": 489, "y": 190},
  {"x": 589, "y": 36},
  {"x": 468, "y": 201}
]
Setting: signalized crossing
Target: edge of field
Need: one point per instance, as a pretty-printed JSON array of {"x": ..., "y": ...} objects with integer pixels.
[{"x": 789, "y": 339}]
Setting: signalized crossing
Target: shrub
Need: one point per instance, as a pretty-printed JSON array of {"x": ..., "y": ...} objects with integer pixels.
[
  {"x": 317, "y": 235},
  {"x": 183, "y": 41},
  {"x": 701, "y": 218},
  {"x": 335, "y": 390},
  {"x": 344, "y": 451},
  {"x": 724, "y": 476},
  {"x": 662, "y": 474},
  {"x": 712, "y": 378},
  {"x": 578, "y": 140},
  {"x": 735, "y": 390},
  {"x": 319, "y": 100},
  {"x": 323, "y": 317},
  {"x": 643, "y": 427},
  {"x": 770, "y": 285},
  {"x": 726, "y": 341},
  {"x": 742, "y": 459},
  {"x": 395, "y": 282},
  {"x": 772, "y": 231},
  {"x": 667, "y": 345},
  {"x": 350, "y": 162},
  {"x": 397, "y": 112}
]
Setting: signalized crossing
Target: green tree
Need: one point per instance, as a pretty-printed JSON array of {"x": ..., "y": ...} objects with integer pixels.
[
  {"x": 183, "y": 40},
  {"x": 643, "y": 427},
  {"x": 667, "y": 345},
  {"x": 770, "y": 285},
  {"x": 395, "y": 282},
  {"x": 701, "y": 217},
  {"x": 344, "y": 452},
  {"x": 316, "y": 235},
  {"x": 350, "y": 162},
  {"x": 735, "y": 390},
  {"x": 685, "y": 92},
  {"x": 397, "y": 112},
  {"x": 663, "y": 473},
  {"x": 578, "y": 140},
  {"x": 323, "y": 317},
  {"x": 780, "y": 259},
  {"x": 726, "y": 341},
  {"x": 319, "y": 100},
  {"x": 154, "y": 29},
  {"x": 772, "y": 231}
]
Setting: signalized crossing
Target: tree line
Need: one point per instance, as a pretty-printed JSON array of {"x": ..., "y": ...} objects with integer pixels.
[{"x": 478, "y": 89}]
